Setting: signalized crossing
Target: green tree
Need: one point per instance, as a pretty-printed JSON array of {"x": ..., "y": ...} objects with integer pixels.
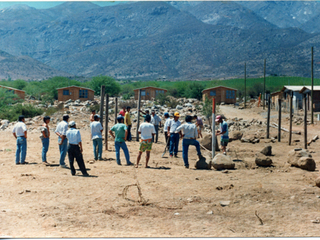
[{"x": 112, "y": 87}]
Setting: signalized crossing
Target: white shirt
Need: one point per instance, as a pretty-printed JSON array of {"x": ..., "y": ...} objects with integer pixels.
[
  {"x": 73, "y": 136},
  {"x": 173, "y": 125},
  {"x": 62, "y": 128},
  {"x": 19, "y": 129},
  {"x": 155, "y": 120},
  {"x": 189, "y": 130},
  {"x": 166, "y": 124},
  {"x": 146, "y": 130},
  {"x": 96, "y": 128}
]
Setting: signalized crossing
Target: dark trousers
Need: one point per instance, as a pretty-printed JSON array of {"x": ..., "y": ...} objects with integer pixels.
[
  {"x": 174, "y": 143},
  {"x": 75, "y": 153},
  {"x": 129, "y": 132},
  {"x": 156, "y": 127},
  {"x": 167, "y": 139}
]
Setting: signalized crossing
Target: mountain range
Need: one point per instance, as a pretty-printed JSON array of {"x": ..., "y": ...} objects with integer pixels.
[{"x": 160, "y": 40}]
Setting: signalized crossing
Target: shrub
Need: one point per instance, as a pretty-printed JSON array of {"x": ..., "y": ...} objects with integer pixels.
[
  {"x": 162, "y": 99},
  {"x": 129, "y": 103},
  {"x": 112, "y": 87},
  {"x": 52, "y": 110},
  {"x": 12, "y": 113}
]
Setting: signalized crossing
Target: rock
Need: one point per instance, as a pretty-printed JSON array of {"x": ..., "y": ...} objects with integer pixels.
[
  {"x": 206, "y": 141},
  {"x": 221, "y": 161},
  {"x": 267, "y": 151},
  {"x": 224, "y": 203},
  {"x": 210, "y": 212},
  {"x": 307, "y": 163},
  {"x": 179, "y": 107},
  {"x": 262, "y": 160},
  {"x": 235, "y": 135},
  {"x": 318, "y": 182},
  {"x": 295, "y": 154},
  {"x": 202, "y": 164}
]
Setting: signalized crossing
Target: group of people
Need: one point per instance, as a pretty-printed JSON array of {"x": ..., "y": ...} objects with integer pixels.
[{"x": 69, "y": 137}]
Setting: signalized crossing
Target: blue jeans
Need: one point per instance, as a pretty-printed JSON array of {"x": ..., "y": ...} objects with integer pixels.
[
  {"x": 97, "y": 152},
  {"x": 185, "y": 147},
  {"x": 124, "y": 147},
  {"x": 156, "y": 127},
  {"x": 45, "y": 148},
  {"x": 174, "y": 143},
  {"x": 21, "y": 151},
  {"x": 63, "y": 150}
]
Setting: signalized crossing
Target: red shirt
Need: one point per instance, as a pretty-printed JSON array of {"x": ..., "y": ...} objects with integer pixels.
[{"x": 122, "y": 113}]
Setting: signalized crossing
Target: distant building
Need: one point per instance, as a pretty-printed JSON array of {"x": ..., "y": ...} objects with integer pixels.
[
  {"x": 147, "y": 93},
  {"x": 221, "y": 94},
  {"x": 21, "y": 94},
  {"x": 74, "y": 93}
]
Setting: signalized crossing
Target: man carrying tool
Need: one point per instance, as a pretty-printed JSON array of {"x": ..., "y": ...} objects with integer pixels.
[
  {"x": 223, "y": 132},
  {"x": 189, "y": 135},
  {"x": 173, "y": 134}
]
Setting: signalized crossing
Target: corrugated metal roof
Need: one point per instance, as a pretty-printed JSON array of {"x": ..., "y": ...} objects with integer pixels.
[
  {"x": 11, "y": 88},
  {"x": 219, "y": 87}
]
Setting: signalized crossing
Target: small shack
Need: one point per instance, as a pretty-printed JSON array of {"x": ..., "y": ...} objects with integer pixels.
[
  {"x": 316, "y": 97},
  {"x": 147, "y": 93},
  {"x": 74, "y": 93},
  {"x": 21, "y": 94},
  {"x": 221, "y": 94}
]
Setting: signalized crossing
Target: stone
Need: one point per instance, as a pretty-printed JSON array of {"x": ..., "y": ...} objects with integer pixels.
[
  {"x": 206, "y": 141},
  {"x": 267, "y": 151},
  {"x": 318, "y": 183},
  {"x": 179, "y": 107},
  {"x": 203, "y": 164},
  {"x": 235, "y": 135},
  {"x": 221, "y": 162},
  {"x": 224, "y": 203},
  {"x": 262, "y": 160},
  {"x": 307, "y": 163},
  {"x": 295, "y": 154},
  {"x": 210, "y": 212}
]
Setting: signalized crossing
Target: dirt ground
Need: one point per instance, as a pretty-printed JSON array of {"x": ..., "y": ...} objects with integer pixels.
[{"x": 46, "y": 201}]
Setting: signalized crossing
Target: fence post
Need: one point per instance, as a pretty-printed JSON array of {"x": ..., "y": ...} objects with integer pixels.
[
  {"x": 311, "y": 85},
  {"x": 268, "y": 116},
  {"x": 290, "y": 119},
  {"x": 305, "y": 121},
  {"x": 106, "y": 122},
  {"x": 264, "y": 83},
  {"x": 213, "y": 127},
  {"x": 138, "y": 124},
  {"x": 116, "y": 110},
  {"x": 102, "y": 92},
  {"x": 279, "y": 120}
]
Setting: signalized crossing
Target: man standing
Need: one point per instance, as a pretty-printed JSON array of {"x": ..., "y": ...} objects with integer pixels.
[
  {"x": 147, "y": 131},
  {"x": 19, "y": 131},
  {"x": 144, "y": 114},
  {"x": 123, "y": 112},
  {"x": 189, "y": 135},
  {"x": 223, "y": 132},
  {"x": 165, "y": 128},
  {"x": 121, "y": 133},
  {"x": 199, "y": 124},
  {"x": 127, "y": 121},
  {"x": 61, "y": 131},
  {"x": 45, "y": 138},
  {"x": 96, "y": 136},
  {"x": 75, "y": 149},
  {"x": 156, "y": 121},
  {"x": 173, "y": 134}
]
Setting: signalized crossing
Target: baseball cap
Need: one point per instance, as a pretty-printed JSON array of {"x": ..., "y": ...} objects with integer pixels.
[
  {"x": 166, "y": 114},
  {"x": 176, "y": 114},
  {"x": 72, "y": 124},
  {"x": 218, "y": 118}
]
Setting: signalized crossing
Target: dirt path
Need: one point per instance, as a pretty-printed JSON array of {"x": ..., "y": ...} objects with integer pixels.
[{"x": 40, "y": 201}]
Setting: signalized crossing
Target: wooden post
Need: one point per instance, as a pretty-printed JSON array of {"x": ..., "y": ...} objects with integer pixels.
[
  {"x": 213, "y": 127},
  {"x": 305, "y": 121},
  {"x": 290, "y": 118},
  {"x": 106, "y": 122},
  {"x": 268, "y": 116},
  {"x": 138, "y": 124},
  {"x": 245, "y": 84},
  {"x": 116, "y": 110},
  {"x": 264, "y": 83},
  {"x": 311, "y": 85},
  {"x": 279, "y": 120},
  {"x": 102, "y": 92}
]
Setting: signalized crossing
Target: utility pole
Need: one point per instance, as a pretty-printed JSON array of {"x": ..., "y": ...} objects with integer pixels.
[
  {"x": 264, "y": 83},
  {"x": 311, "y": 85},
  {"x": 245, "y": 84}
]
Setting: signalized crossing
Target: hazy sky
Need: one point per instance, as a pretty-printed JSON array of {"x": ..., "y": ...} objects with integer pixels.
[{"x": 43, "y": 5}]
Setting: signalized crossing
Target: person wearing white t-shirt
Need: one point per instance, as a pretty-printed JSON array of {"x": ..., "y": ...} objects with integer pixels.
[
  {"x": 146, "y": 130},
  {"x": 19, "y": 131},
  {"x": 96, "y": 136}
]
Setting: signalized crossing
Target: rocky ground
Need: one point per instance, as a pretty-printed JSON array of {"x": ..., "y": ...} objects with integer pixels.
[{"x": 165, "y": 200}]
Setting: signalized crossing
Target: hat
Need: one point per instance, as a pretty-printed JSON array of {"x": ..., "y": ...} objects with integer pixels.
[
  {"x": 218, "y": 118},
  {"x": 72, "y": 124},
  {"x": 176, "y": 114},
  {"x": 166, "y": 114}
]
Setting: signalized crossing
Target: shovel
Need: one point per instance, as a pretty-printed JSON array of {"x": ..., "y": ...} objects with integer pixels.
[{"x": 165, "y": 149}]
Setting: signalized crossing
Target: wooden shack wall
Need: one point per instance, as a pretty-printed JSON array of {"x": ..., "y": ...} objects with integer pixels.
[
  {"x": 74, "y": 94},
  {"x": 150, "y": 93},
  {"x": 221, "y": 95}
]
